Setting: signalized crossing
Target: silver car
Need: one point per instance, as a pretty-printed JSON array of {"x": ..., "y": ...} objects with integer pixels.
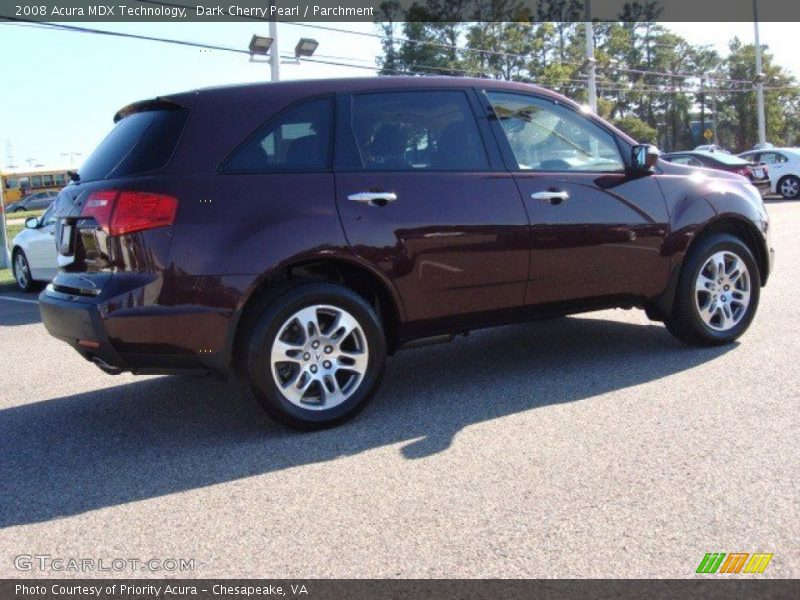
[{"x": 35, "y": 201}]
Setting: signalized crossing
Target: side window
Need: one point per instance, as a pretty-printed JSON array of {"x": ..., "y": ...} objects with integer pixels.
[
  {"x": 680, "y": 160},
  {"x": 61, "y": 180},
  {"x": 299, "y": 140},
  {"x": 47, "y": 180},
  {"x": 36, "y": 181},
  {"x": 417, "y": 131},
  {"x": 772, "y": 158},
  {"x": 693, "y": 162},
  {"x": 545, "y": 136}
]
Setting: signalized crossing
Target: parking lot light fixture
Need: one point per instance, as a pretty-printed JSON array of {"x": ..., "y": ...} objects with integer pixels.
[
  {"x": 305, "y": 47},
  {"x": 260, "y": 45}
]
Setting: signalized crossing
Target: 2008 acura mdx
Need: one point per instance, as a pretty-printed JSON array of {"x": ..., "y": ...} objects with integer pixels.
[{"x": 300, "y": 232}]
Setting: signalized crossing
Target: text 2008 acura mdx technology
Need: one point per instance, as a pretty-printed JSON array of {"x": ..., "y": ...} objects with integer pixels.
[{"x": 300, "y": 232}]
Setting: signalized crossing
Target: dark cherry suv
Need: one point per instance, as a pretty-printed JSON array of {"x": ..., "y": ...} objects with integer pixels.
[{"x": 300, "y": 232}]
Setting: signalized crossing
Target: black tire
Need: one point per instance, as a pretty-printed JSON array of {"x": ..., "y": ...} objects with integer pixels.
[
  {"x": 266, "y": 326},
  {"x": 19, "y": 209},
  {"x": 790, "y": 179},
  {"x": 25, "y": 282},
  {"x": 685, "y": 323}
]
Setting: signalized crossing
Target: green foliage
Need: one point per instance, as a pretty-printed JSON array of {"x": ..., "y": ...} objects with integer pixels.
[
  {"x": 650, "y": 81},
  {"x": 637, "y": 129}
]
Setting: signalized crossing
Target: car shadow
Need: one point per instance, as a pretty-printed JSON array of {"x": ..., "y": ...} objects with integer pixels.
[
  {"x": 159, "y": 436},
  {"x": 778, "y": 200},
  {"x": 12, "y": 311}
]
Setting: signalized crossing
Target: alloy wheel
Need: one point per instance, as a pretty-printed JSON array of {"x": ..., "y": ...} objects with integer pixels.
[
  {"x": 319, "y": 357},
  {"x": 21, "y": 270},
  {"x": 722, "y": 291},
  {"x": 790, "y": 187}
]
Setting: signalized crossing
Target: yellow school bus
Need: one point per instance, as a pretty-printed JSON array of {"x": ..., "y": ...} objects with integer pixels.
[{"x": 18, "y": 183}]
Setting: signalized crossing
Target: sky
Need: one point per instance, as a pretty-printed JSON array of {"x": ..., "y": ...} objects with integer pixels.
[{"x": 61, "y": 89}]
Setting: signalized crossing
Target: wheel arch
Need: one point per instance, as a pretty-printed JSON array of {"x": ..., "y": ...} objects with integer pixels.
[
  {"x": 363, "y": 280},
  {"x": 731, "y": 224}
]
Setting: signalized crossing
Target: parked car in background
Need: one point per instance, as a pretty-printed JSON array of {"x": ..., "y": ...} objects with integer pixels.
[
  {"x": 758, "y": 174},
  {"x": 33, "y": 252},
  {"x": 784, "y": 169},
  {"x": 35, "y": 201},
  {"x": 712, "y": 148},
  {"x": 299, "y": 232}
]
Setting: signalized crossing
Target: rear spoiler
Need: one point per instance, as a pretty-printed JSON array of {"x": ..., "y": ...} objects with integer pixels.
[{"x": 148, "y": 105}]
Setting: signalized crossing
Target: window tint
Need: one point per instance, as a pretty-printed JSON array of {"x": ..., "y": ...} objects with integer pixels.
[
  {"x": 299, "y": 140},
  {"x": 545, "y": 136},
  {"x": 48, "y": 217},
  {"x": 684, "y": 160},
  {"x": 140, "y": 142},
  {"x": 772, "y": 157},
  {"x": 409, "y": 131}
]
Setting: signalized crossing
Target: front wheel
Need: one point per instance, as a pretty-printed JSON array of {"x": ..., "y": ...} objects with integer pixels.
[
  {"x": 718, "y": 292},
  {"x": 22, "y": 272},
  {"x": 316, "y": 355}
]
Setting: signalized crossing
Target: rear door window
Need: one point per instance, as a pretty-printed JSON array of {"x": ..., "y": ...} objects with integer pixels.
[
  {"x": 416, "y": 131},
  {"x": 298, "y": 140},
  {"x": 139, "y": 143}
]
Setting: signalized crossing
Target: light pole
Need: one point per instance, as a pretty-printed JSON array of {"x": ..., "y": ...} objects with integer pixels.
[
  {"x": 4, "y": 260},
  {"x": 591, "y": 76},
  {"x": 762, "y": 123},
  {"x": 274, "y": 57},
  {"x": 72, "y": 156}
]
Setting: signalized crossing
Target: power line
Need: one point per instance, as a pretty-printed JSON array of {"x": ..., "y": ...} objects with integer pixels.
[{"x": 337, "y": 61}]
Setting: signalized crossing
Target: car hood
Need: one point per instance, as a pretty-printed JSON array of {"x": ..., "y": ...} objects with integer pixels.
[{"x": 669, "y": 168}]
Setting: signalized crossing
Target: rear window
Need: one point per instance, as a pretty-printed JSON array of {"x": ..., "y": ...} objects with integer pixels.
[
  {"x": 139, "y": 143},
  {"x": 728, "y": 159}
]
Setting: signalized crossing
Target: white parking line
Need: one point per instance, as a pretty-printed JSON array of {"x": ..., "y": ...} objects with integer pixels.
[{"x": 25, "y": 300}]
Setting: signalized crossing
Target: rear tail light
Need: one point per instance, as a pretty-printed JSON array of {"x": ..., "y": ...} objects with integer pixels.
[
  {"x": 746, "y": 171},
  {"x": 118, "y": 212}
]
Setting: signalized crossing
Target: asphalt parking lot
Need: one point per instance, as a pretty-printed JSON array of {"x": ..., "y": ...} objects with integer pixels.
[{"x": 592, "y": 446}]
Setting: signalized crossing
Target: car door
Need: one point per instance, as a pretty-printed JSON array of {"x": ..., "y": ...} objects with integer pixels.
[
  {"x": 41, "y": 250},
  {"x": 596, "y": 231},
  {"x": 424, "y": 196}
]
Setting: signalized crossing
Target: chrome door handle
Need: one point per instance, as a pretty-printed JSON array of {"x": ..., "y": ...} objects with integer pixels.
[
  {"x": 378, "y": 199},
  {"x": 551, "y": 197}
]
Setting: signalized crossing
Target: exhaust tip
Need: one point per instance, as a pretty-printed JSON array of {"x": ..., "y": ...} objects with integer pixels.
[{"x": 105, "y": 367}]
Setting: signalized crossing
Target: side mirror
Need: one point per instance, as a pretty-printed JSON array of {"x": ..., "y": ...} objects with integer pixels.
[
  {"x": 32, "y": 223},
  {"x": 644, "y": 158}
]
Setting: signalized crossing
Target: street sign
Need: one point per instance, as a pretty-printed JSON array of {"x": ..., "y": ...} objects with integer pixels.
[{"x": 708, "y": 134}]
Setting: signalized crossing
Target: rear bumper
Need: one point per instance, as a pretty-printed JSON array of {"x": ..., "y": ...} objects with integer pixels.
[
  {"x": 79, "y": 325},
  {"x": 120, "y": 329}
]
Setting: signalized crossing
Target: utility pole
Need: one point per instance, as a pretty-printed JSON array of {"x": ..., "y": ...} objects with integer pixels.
[
  {"x": 274, "y": 56},
  {"x": 762, "y": 123},
  {"x": 714, "y": 108},
  {"x": 591, "y": 74},
  {"x": 72, "y": 156},
  {"x": 4, "y": 258},
  {"x": 702, "y": 106}
]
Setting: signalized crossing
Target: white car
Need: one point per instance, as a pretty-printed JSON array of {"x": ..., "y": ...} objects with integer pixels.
[
  {"x": 33, "y": 252},
  {"x": 784, "y": 169}
]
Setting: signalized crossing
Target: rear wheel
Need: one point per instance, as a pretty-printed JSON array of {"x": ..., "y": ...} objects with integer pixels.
[
  {"x": 789, "y": 187},
  {"x": 316, "y": 355},
  {"x": 22, "y": 272},
  {"x": 718, "y": 292}
]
